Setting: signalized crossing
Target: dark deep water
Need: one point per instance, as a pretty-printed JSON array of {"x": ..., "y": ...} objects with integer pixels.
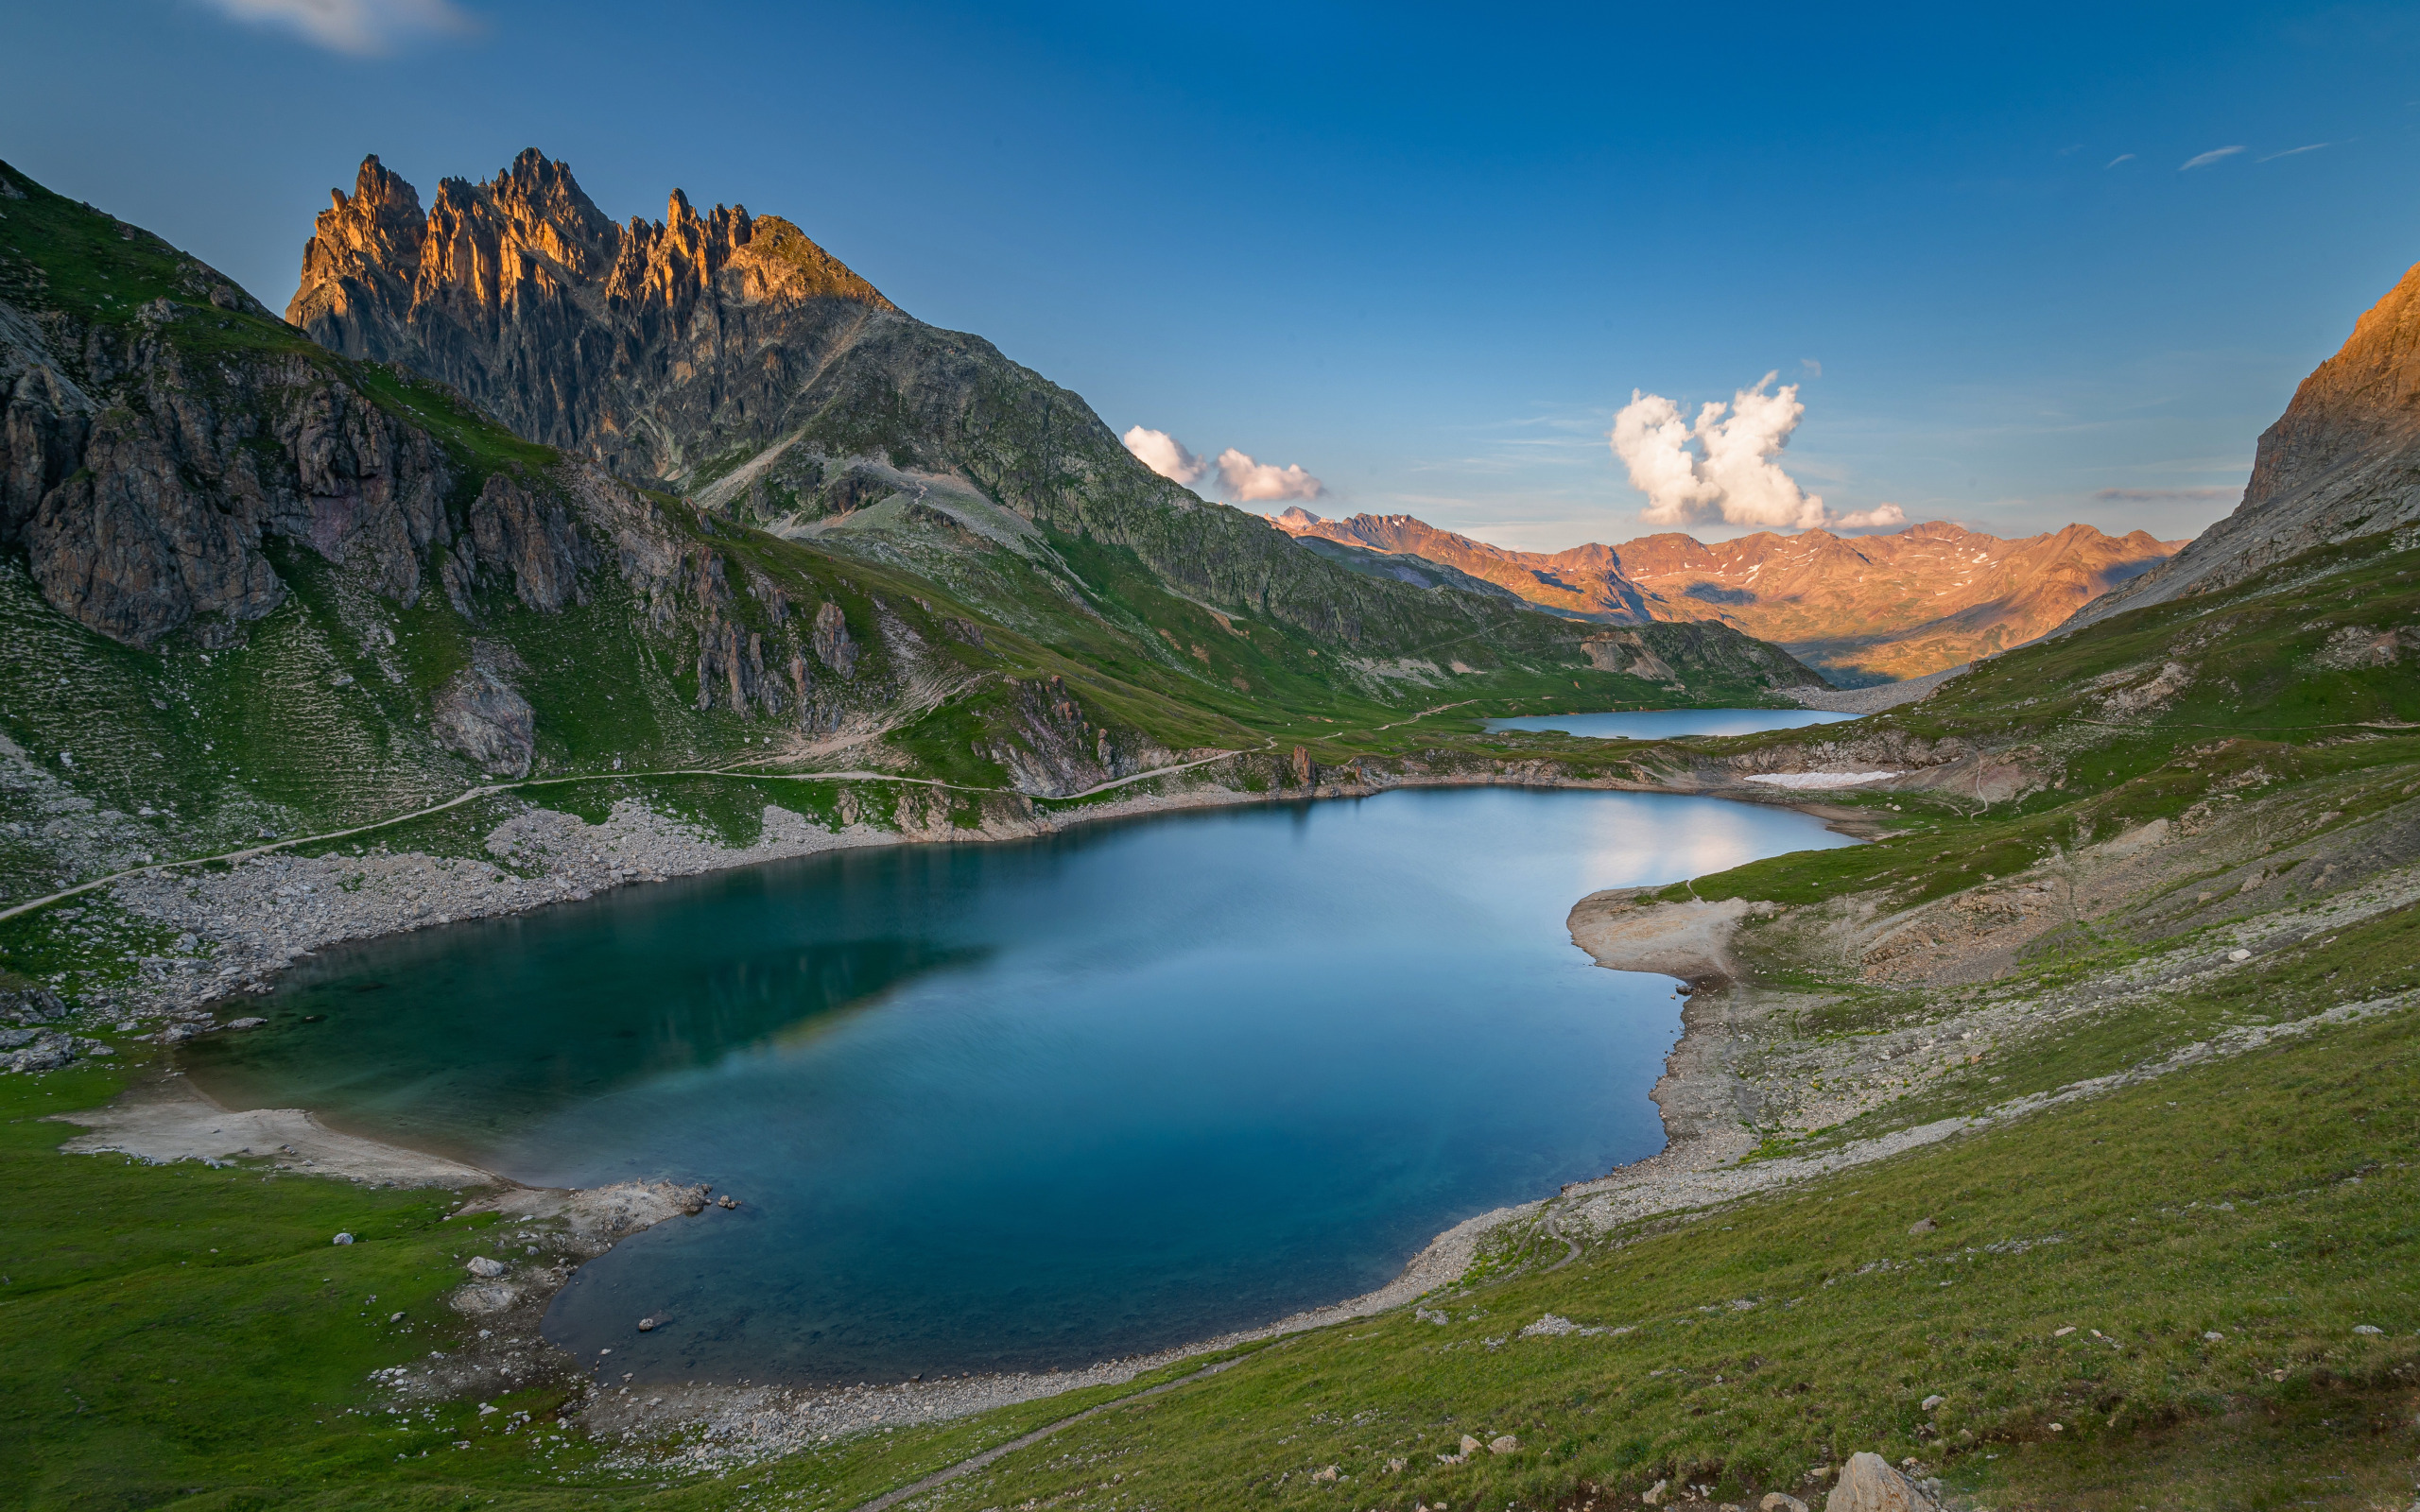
[{"x": 1013, "y": 1106}]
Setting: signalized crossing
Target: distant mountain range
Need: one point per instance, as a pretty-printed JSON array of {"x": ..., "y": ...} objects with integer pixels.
[{"x": 1862, "y": 609}]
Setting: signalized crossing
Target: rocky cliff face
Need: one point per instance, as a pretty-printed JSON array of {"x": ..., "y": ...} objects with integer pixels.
[
  {"x": 577, "y": 332},
  {"x": 155, "y": 441},
  {"x": 1864, "y": 609},
  {"x": 2343, "y": 461}
]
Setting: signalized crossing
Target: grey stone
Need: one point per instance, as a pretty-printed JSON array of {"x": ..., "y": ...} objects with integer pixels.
[
  {"x": 485, "y": 1270},
  {"x": 1869, "y": 1483},
  {"x": 480, "y": 715}
]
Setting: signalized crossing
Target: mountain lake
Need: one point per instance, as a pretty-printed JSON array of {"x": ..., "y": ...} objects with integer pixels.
[{"x": 1034, "y": 1104}]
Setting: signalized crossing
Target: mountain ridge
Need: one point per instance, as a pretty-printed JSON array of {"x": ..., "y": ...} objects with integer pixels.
[{"x": 1863, "y": 609}]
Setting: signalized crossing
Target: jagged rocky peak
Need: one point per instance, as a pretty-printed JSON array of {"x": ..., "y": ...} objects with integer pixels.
[
  {"x": 532, "y": 231},
  {"x": 524, "y": 296}
]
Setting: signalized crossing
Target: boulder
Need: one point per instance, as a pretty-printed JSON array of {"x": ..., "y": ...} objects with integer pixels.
[
  {"x": 484, "y": 1268},
  {"x": 477, "y": 713},
  {"x": 1869, "y": 1483}
]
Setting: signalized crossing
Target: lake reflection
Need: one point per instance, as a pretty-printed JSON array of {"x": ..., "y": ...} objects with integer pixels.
[{"x": 1013, "y": 1106}]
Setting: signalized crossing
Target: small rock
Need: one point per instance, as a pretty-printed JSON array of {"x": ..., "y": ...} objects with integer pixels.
[
  {"x": 1327, "y": 1475},
  {"x": 647, "y": 1325},
  {"x": 1934, "y": 1401},
  {"x": 1780, "y": 1502},
  {"x": 2213, "y": 1336},
  {"x": 2238, "y": 955},
  {"x": 1869, "y": 1483},
  {"x": 1550, "y": 1325},
  {"x": 487, "y": 1407},
  {"x": 1470, "y": 1446},
  {"x": 246, "y": 1024},
  {"x": 2060, "y": 1334},
  {"x": 1504, "y": 1444},
  {"x": 1922, "y": 1226},
  {"x": 2367, "y": 1327},
  {"x": 1394, "y": 1466},
  {"x": 1654, "y": 1495},
  {"x": 726, "y": 1201},
  {"x": 394, "y": 1317},
  {"x": 343, "y": 1239},
  {"x": 484, "y": 1268}
]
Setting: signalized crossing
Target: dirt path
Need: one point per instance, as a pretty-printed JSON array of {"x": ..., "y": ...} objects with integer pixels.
[
  {"x": 967, "y": 1466},
  {"x": 494, "y": 789}
]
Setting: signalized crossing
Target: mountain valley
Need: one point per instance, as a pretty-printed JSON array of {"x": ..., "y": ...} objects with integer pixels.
[{"x": 2040, "y": 1149}]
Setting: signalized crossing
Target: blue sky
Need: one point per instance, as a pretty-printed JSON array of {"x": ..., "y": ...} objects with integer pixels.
[{"x": 1424, "y": 253}]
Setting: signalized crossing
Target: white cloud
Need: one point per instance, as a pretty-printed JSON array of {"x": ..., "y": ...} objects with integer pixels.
[
  {"x": 1164, "y": 454},
  {"x": 1881, "y": 517},
  {"x": 1250, "y": 482},
  {"x": 1814, "y": 368},
  {"x": 362, "y": 28},
  {"x": 2206, "y": 159},
  {"x": 2294, "y": 152},
  {"x": 2122, "y": 157},
  {"x": 1732, "y": 475}
]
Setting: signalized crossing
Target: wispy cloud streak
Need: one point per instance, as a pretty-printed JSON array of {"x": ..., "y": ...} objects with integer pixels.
[{"x": 359, "y": 29}]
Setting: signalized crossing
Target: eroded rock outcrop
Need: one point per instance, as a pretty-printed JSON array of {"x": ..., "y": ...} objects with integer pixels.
[
  {"x": 577, "y": 331},
  {"x": 1058, "y": 749},
  {"x": 481, "y": 715},
  {"x": 142, "y": 482}
]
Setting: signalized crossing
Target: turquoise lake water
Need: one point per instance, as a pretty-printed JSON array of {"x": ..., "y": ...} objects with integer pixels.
[
  {"x": 1665, "y": 724},
  {"x": 1035, "y": 1104}
]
